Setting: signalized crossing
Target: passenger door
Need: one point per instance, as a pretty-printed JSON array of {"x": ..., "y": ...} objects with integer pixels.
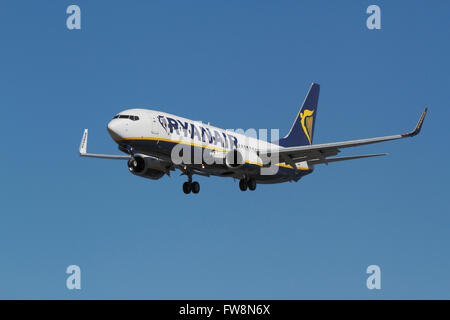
[{"x": 155, "y": 126}]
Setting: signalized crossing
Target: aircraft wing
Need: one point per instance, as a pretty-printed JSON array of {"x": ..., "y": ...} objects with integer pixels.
[
  {"x": 83, "y": 150},
  {"x": 319, "y": 152}
]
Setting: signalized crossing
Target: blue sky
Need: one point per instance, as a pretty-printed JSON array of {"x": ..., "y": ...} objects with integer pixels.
[{"x": 237, "y": 64}]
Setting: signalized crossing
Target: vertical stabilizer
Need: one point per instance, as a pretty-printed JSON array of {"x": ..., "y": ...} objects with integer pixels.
[{"x": 302, "y": 130}]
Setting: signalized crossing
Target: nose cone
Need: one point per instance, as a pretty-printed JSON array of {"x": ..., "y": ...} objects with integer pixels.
[{"x": 115, "y": 129}]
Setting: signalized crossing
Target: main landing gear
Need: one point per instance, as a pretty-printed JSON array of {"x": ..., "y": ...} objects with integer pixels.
[{"x": 249, "y": 183}]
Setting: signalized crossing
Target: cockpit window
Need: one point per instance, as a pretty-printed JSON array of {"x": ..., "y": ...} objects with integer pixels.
[{"x": 125, "y": 116}]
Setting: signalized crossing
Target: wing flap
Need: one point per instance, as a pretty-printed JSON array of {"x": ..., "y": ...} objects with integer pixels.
[{"x": 337, "y": 159}]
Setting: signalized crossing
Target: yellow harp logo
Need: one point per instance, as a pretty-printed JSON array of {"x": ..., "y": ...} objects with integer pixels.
[{"x": 306, "y": 120}]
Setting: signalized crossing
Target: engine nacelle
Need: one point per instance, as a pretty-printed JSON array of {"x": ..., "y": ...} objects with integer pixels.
[{"x": 147, "y": 167}]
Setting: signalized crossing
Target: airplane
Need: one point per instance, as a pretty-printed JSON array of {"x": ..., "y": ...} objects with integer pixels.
[{"x": 156, "y": 143}]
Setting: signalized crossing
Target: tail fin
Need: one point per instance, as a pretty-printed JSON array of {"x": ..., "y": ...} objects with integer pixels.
[{"x": 302, "y": 131}]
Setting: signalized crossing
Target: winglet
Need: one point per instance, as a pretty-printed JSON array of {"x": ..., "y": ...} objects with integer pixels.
[
  {"x": 418, "y": 127},
  {"x": 83, "y": 144},
  {"x": 83, "y": 150}
]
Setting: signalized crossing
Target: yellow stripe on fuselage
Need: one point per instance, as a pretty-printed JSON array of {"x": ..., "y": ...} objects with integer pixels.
[
  {"x": 176, "y": 141},
  {"x": 290, "y": 167},
  {"x": 208, "y": 147}
]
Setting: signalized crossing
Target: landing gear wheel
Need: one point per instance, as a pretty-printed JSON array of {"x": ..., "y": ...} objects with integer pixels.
[
  {"x": 251, "y": 184},
  {"x": 195, "y": 187},
  {"x": 243, "y": 185},
  {"x": 187, "y": 187}
]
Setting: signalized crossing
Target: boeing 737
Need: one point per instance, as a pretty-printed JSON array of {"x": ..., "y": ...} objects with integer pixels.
[{"x": 156, "y": 143}]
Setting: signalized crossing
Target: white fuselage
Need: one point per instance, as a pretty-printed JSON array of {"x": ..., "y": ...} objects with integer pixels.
[{"x": 155, "y": 133}]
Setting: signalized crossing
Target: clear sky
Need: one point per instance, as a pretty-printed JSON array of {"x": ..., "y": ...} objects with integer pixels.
[{"x": 237, "y": 64}]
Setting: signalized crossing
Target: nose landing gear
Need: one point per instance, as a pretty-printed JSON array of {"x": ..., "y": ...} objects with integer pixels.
[
  {"x": 187, "y": 187},
  {"x": 190, "y": 185},
  {"x": 195, "y": 186}
]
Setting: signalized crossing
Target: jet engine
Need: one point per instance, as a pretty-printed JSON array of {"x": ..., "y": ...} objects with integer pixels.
[{"x": 147, "y": 167}]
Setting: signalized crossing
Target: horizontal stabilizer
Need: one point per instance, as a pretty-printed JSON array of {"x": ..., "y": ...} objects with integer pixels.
[{"x": 326, "y": 161}]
